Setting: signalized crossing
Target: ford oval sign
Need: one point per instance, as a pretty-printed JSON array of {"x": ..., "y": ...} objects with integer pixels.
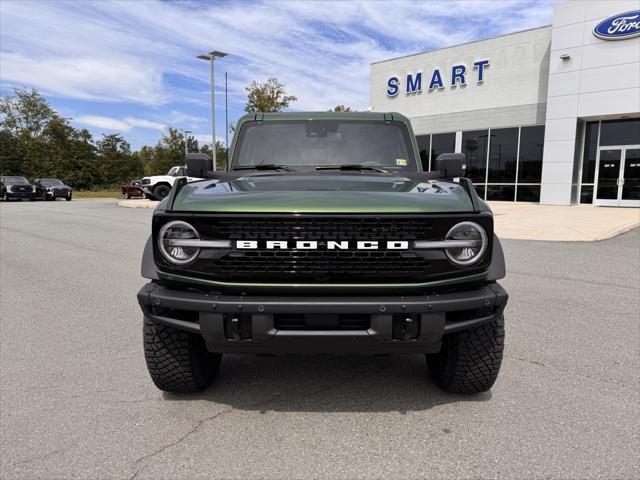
[{"x": 619, "y": 27}]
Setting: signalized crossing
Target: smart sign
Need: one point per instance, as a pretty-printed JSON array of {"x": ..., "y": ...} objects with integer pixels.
[{"x": 437, "y": 78}]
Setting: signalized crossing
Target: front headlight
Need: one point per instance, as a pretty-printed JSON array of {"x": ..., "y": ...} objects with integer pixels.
[
  {"x": 172, "y": 239},
  {"x": 477, "y": 241},
  {"x": 33, "y": 188},
  {"x": 9, "y": 189}
]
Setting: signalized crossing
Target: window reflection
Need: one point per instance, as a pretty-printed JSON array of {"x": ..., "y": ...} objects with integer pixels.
[
  {"x": 423, "y": 147},
  {"x": 442, "y": 143},
  {"x": 531, "y": 147},
  {"x": 474, "y": 146},
  {"x": 620, "y": 132},
  {"x": 502, "y": 155},
  {"x": 590, "y": 152}
]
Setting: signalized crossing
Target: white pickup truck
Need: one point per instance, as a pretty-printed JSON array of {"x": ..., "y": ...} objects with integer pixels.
[{"x": 157, "y": 187}]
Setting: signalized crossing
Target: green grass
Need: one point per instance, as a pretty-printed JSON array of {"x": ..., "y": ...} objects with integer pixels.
[{"x": 97, "y": 194}]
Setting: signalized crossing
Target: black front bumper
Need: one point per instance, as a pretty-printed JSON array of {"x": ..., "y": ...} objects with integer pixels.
[
  {"x": 14, "y": 195},
  {"x": 251, "y": 324}
]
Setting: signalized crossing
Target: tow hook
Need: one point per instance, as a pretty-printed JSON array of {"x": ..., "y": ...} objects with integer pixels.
[
  {"x": 406, "y": 327},
  {"x": 234, "y": 328}
]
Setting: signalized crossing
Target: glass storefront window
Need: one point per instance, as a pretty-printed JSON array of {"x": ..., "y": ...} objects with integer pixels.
[
  {"x": 503, "y": 151},
  {"x": 590, "y": 152},
  {"x": 423, "y": 146},
  {"x": 474, "y": 146},
  {"x": 620, "y": 132},
  {"x": 442, "y": 143},
  {"x": 531, "y": 147},
  {"x": 586, "y": 194},
  {"x": 501, "y": 192},
  {"x": 528, "y": 193}
]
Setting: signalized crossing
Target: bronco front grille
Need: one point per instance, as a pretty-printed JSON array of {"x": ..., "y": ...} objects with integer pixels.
[{"x": 322, "y": 265}]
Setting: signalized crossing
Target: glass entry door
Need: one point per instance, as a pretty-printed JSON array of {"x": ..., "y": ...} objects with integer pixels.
[
  {"x": 630, "y": 195},
  {"x": 618, "y": 182}
]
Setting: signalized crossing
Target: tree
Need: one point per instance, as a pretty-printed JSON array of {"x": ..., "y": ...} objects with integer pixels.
[
  {"x": 267, "y": 97},
  {"x": 26, "y": 112},
  {"x": 116, "y": 164},
  {"x": 35, "y": 141},
  {"x": 222, "y": 154},
  {"x": 11, "y": 154},
  {"x": 340, "y": 108}
]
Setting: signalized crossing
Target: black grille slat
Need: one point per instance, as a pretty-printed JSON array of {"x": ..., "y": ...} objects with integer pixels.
[{"x": 322, "y": 265}]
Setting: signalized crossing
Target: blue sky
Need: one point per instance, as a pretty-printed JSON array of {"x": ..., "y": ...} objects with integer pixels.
[{"x": 130, "y": 66}]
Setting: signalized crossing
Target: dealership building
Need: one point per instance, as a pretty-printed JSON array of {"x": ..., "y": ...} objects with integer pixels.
[{"x": 549, "y": 115}]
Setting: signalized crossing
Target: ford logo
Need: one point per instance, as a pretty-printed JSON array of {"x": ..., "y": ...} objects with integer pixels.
[{"x": 619, "y": 27}]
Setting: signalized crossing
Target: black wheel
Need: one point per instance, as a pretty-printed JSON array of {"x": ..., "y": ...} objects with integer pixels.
[
  {"x": 68, "y": 198},
  {"x": 161, "y": 191},
  {"x": 44, "y": 196},
  {"x": 178, "y": 361},
  {"x": 126, "y": 195},
  {"x": 469, "y": 361}
]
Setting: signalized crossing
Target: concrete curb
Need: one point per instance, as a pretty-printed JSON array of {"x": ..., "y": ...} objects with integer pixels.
[{"x": 138, "y": 203}]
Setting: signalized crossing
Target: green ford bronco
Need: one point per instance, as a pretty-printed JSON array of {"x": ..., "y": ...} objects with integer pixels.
[{"x": 324, "y": 235}]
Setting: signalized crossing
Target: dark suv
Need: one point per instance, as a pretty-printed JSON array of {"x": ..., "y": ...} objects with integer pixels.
[
  {"x": 52, "y": 188},
  {"x": 324, "y": 237},
  {"x": 16, "y": 188}
]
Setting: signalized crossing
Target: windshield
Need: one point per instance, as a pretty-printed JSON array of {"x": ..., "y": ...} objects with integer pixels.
[
  {"x": 15, "y": 180},
  {"x": 313, "y": 143},
  {"x": 50, "y": 182},
  {"x": 176, "y": 171}
]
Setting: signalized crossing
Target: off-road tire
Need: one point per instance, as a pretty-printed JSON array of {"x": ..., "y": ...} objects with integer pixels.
[
  {"x": 469, "y": 361},
  {"x": 68, "y": 199},
  {"x": 178, "y": 361},
  {"x": 161, "y": 191}
]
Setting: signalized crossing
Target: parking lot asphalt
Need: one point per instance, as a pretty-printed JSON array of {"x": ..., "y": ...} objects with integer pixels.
[{"x": 76, "y": 400}]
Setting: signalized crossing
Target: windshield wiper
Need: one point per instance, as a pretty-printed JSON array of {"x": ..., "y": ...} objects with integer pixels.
[
  {"x": 351, "y": 166},
  {"x": 266, "y": 166}
]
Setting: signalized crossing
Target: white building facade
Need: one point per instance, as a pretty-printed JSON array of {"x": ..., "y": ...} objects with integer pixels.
[{"x": 549, "y": 115}]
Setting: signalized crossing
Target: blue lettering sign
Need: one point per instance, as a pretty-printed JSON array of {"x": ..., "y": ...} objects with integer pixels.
[
  {"x": 414, "y": 85},
  {"x": 392, "y": 86},
  {"x": 481, "y": 65},
  {"x": 619, "y": 27},
  {"x": 457, "y": 73},
  {"x": 413, "y": 81},
  {"x": 436, "y": 80}
]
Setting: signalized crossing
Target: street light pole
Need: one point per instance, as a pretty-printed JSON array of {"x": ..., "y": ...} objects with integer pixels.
[
  {"x": 213, "y": 116},
  {"x": 210, "y": 57},
  {"x": 186, "y": 143}
]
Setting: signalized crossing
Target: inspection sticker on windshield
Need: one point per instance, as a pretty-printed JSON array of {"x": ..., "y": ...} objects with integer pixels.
[{"x": 401, "y": 162}]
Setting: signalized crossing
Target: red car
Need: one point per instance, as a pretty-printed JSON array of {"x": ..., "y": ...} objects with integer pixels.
[{"x": 132, "y": 190}]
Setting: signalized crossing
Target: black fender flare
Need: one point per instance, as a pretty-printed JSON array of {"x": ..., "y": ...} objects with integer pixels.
[
  {"x": 148, "y": 267},
  {"x": 497, "y": 269}
]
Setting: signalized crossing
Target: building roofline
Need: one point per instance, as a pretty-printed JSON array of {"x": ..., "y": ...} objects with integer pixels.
[{"x": 461, "y": 44}]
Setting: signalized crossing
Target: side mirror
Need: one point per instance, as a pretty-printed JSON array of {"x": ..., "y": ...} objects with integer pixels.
[
  {"x": 198, "y": 164},
  {"x": 451, "y": 165}
]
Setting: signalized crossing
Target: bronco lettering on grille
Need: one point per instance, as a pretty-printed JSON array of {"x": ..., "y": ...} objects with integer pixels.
[{"x": 329, "y": 245}]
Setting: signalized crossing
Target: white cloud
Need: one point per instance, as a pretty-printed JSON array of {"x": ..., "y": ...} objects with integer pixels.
[
  {"x": 84, "y": 78},
  {"x": 121, "y": 125},
  {"x": 144, "y": 52},
  {"x": 204, "y": 138}
]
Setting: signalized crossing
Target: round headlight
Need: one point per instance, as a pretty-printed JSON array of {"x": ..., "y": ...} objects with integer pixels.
[
  {"x": 173, "y": 242},
  {"x": 475, "y": 243}
]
